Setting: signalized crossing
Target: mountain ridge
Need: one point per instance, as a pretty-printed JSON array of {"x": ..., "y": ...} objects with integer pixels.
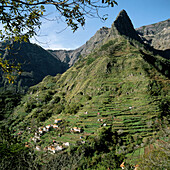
[
  {"x": 72, "y": 56},
  {"x": 156, "y": 35}
]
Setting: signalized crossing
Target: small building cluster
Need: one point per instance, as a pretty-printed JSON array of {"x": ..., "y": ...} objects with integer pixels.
[
  {"x": 55, "y": 147},
  {"x": 76, "y": 130}
]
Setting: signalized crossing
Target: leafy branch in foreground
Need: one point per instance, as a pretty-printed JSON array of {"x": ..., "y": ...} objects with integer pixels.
[{"x": 22, "y": 18}]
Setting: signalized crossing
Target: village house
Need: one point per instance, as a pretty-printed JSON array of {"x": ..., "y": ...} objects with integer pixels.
[
  {"x": 48, "y": 127},
  {"x": 49, "y": 148},
  {"x": 37, "y": 137},
  {"x": 40, "y": 131},
  {"x": 55, "y": 126},
  {"x": 136, "y": 167},
  {"x": 44, "y": 129},
  {"x": 59, "y": 148},
  {"x": 34, "y": 139},
  {"x": 45, "y": 149},
  {"x": 40, "y": 128},
  {"x": 38, "y": 148},
  {"x": 76, "y": 129},
  {"x": 28, "y": 128},
  {"x": 53, "y": 149},
  {"x": 58, "y": 120},
  {"x": 66, "y": 144},
  {"x": 122, "y": 165}
]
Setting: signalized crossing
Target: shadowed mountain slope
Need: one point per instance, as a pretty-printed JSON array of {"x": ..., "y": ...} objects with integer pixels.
[{"x": 36, "y": 63}]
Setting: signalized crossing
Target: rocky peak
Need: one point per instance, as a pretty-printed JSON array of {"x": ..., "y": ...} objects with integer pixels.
[{"x": 123, "y": 26}]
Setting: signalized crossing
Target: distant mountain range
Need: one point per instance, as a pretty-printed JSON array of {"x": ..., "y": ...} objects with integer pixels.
[{"x": 157, "y": 35}]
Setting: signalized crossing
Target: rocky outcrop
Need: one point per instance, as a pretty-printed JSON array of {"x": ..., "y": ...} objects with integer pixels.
[
  {"x": 123, "y": 26},
  {"x": 71, "y": 56},
  {"x": 156, "y": 35}
]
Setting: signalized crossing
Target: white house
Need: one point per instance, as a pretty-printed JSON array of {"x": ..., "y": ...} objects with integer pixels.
[
  {"x": 34, "y": 139},
  {"x": 40, "y": 131},
  {"x": 55, "y": 126},
  {"x": 66, "y": 144},
  {"x": 58, "y": 120},
  {"x": 48, "y": 126},
  {"x": 44, "y": 129},
  {"x": 59, "y": 148},
  {"x": 37, "y": 137},
  {"x": 38, "y": 148},
  {"x": 76, "y": 129}
]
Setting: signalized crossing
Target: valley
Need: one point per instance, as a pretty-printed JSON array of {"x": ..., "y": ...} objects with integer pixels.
[{"x": 110, "y": 107}]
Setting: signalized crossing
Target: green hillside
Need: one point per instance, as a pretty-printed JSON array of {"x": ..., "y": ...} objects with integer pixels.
[
  {"x": 115, "y": 81},
  {"x": 116, "y": 97}
]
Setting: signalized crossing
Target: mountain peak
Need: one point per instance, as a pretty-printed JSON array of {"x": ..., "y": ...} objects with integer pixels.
[{"x": 123, "y": 26}]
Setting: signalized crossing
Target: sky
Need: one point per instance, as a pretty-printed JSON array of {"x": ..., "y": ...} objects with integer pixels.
[{"x": 53, "y": 34}]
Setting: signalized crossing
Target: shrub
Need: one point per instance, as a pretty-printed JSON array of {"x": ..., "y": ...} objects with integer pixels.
[
  {"x": 29, "y": 106},
  {"x": 57, "y": 99},
  {"x": 90, "y": 60},
  {"x": 164, "y": 108}
]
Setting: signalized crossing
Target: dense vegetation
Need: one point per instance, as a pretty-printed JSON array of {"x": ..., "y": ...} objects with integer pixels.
[
  {"x": 110, "y": 109},
  {"x": 118, "y": 99}
]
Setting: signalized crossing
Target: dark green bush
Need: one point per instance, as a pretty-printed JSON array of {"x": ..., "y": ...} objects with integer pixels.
[
  {"x": 29, "y": 106},
  {"x": 164, "y": 107},
  {"x": 90, "y": 60}
]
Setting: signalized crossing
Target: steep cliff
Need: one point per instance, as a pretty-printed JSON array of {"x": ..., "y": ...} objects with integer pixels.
[{"x": 156, "y": 35}]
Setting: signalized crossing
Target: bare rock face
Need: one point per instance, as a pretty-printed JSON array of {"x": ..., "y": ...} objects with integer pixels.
[
  {"x": 156, "y": 35},
  {"x": 71, "y": 56},
  {"x": 123, "y": 26}
]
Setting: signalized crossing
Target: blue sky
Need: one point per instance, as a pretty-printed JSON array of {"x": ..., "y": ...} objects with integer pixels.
[{"x": 141, "y": 12}]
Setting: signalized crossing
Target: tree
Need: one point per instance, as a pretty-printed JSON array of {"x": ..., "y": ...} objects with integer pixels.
[{"x": 22, "y": 18}]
